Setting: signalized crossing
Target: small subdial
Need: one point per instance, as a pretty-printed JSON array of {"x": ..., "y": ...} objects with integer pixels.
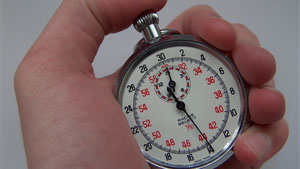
[{"x": 174, "y": 77}]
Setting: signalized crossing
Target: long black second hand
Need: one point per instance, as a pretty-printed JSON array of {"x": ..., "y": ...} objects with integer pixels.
[
  {"x": 197, "y": 128},
  {"x": 181, "y": 106}
]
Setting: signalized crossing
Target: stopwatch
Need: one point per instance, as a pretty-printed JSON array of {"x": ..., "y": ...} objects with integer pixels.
[{"x": 184, "y": 100}]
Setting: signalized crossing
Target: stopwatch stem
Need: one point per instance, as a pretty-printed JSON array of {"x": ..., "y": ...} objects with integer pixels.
[
  {"x": 181, "y": 106},
  {"x": 147, "y": 23}
]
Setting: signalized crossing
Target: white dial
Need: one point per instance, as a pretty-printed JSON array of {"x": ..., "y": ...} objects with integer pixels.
[{"x": 184, "y": 105}]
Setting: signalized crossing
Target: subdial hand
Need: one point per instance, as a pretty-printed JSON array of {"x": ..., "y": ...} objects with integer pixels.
[
  {"x": 172, "y": 83},
  {"x": 181, "y": 106}
]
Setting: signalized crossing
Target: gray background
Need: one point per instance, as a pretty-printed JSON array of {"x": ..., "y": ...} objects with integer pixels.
[{"x": 276, "y": 22}]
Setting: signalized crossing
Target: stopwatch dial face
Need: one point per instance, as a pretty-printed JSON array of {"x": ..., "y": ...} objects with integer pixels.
[{"x": 210, "y": 89}]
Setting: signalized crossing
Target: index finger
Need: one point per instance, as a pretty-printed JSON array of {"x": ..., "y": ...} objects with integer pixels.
[{"x": 204, "y": 22}]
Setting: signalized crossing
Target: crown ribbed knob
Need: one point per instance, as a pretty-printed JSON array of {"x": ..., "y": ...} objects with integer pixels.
[
  {"x": 147, "y": 23},
  {"x": 146, "y": 19}
]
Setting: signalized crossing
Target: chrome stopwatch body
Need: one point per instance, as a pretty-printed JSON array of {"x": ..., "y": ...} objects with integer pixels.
[{"x": 184, "y": 100}]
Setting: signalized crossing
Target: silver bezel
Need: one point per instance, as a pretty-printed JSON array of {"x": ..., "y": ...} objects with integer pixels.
[{"x": 143, "y": 50}]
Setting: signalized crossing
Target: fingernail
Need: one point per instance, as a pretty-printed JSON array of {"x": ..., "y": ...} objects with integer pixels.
[
  {"x": 260, "y": 144},
  {"x": 246, "y": 40}
]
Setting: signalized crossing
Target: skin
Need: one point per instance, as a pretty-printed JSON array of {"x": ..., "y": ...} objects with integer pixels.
[{"x": 71, "y": 119}]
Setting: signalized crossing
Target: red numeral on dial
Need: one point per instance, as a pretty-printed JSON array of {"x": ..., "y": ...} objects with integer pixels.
[
  {"x": 170, "y": 142},
  {"x": 218, "y": 94},
  {"x": 197, "y": 71},
  {"x": 210, "y": 80},
  {"x": 219, "y": 109},
  {"x": 156, "y": 135},
  {"x": 201, "y": 138},
  {"x": 143, "y": 108},
  {"x": 152, "y": 79},
  {"x": 186, "y": 144},
  {"x": 212, "y": 125},
  {"x": 146, "y": 123},
  {"x": 145, "y": 92},
  {"x": 182, "y": 66}
]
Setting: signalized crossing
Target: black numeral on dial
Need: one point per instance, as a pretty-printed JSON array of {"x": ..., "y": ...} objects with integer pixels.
[
  {"x": 190, "y": 157},
  {"x": 168, "y": 156},
  {"x": 130, "y": 88},
  {"x": 233, "y": 112},
  {"x": 202, "y": 57},
  {"x": 221, "y": 70},
  {"x": 128, "y": 109},
  {"x": 143, "y": 68},
  {"x": 226, "y": 133},
  {"x": 160, "y": 84},
  {"x": 148, "y": 146},
  {"x": 161, "y": 57},
  {"x": 134, "y": 130},
  {"x": 182, "y": 52},
  {"x": 232, "y": 91},
  {"x": 210, "y": 149}
]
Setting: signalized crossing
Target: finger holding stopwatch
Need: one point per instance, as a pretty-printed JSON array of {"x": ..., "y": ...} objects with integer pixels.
[{"x": 205, "y": 22}]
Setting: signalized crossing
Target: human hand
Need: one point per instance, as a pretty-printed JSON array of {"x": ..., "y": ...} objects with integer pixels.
[{"x": 71, "y": 119}]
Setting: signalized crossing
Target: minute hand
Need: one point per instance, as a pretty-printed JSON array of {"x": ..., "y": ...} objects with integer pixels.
[
  {"x": 172, "y": 83},
  {"x": 181, "y": 106}
]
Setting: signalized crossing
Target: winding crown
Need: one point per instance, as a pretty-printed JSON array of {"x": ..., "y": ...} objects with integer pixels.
[
  {"x": 146, "y": 19},
  {"x": 147, "y": 23}
]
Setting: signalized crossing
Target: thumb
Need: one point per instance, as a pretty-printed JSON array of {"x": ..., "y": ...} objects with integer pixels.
[{"x": 72, "y": 37}]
